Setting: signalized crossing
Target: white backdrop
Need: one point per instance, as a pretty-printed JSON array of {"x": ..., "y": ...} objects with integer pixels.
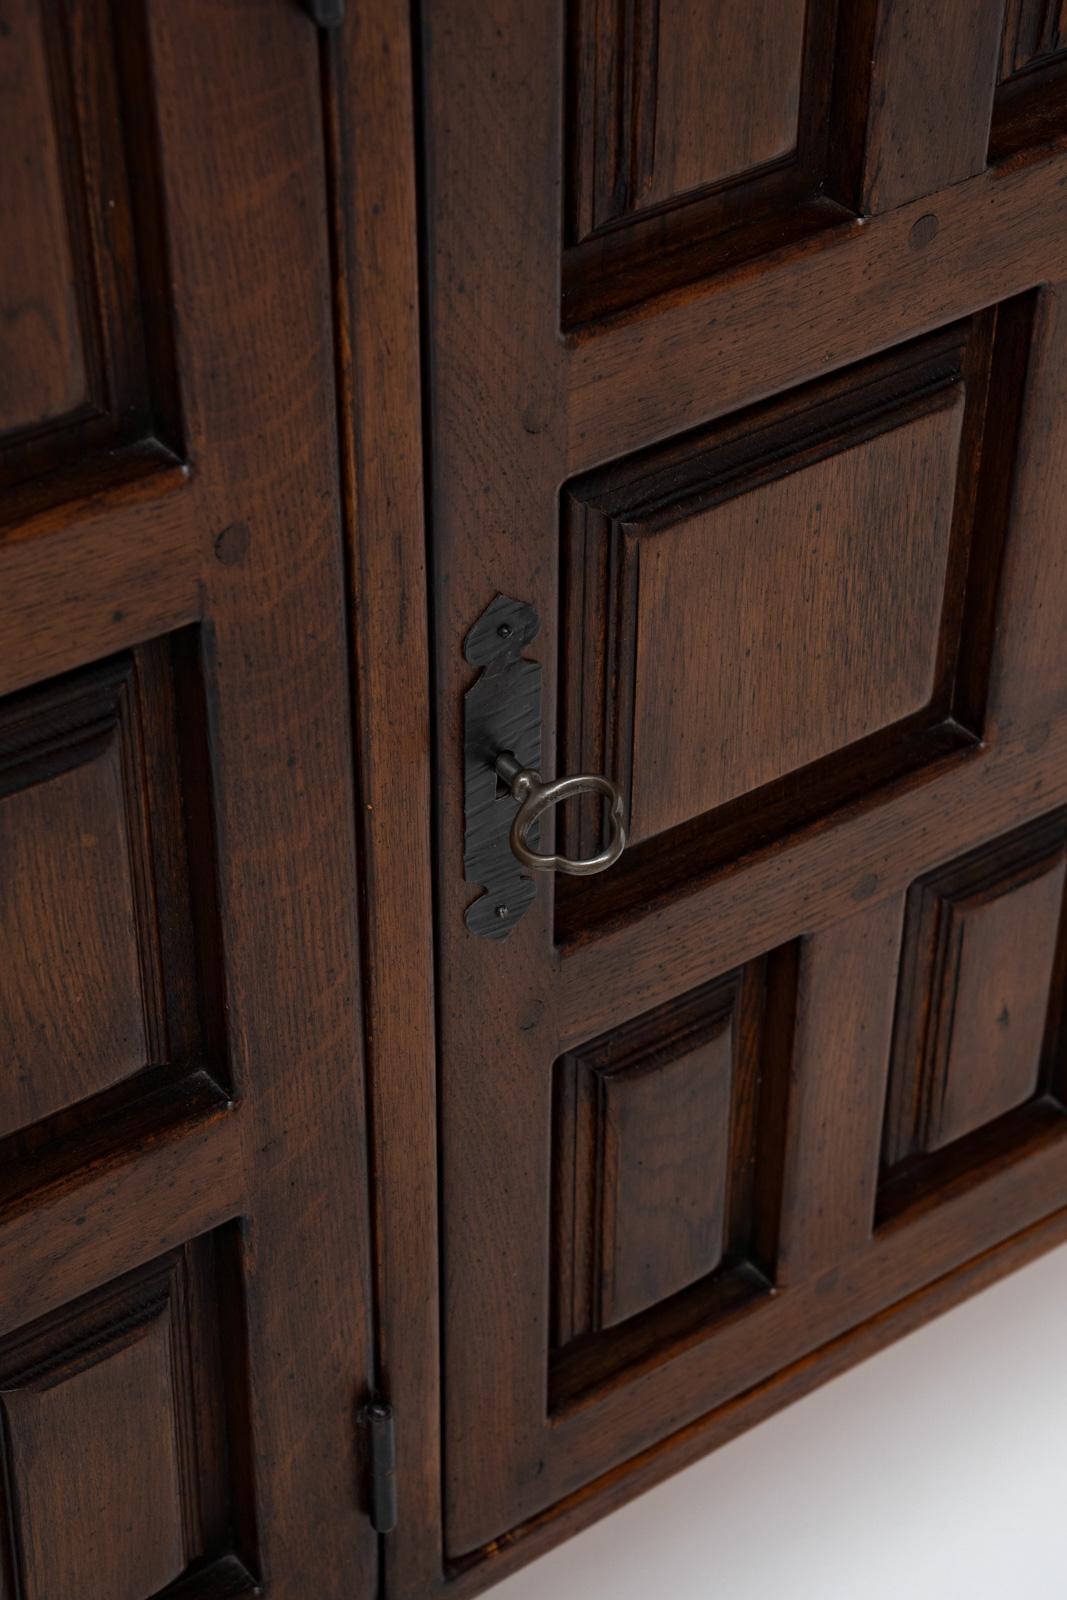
[{"x": 935, "y": 1471}]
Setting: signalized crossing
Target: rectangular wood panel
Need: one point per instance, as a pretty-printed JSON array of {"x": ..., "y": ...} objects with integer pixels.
[
  {"x": 666, "y": 1172},
  {"x": 790, "y": 588},
  {"x": 1030, "y": 109},
  {"x": 86, "y": 358},
  {"x": 73, "y": 1016},
  {"x": 647, "y": 131},
  {"x": 44, "y": 370},
  {"x": 663, "y": 1203},
  {"x": 792, "y": 621},
  {"x": 698, "y": 136},
  {"x": 929, "y": 104},
  {"x": 642, "y": 1149},
  {"x": 980, "y": 993},
  {"x": 107, "y": 906},
  {"x": 1035, "y": 31},
  {"x": 115, "y": 1456}
]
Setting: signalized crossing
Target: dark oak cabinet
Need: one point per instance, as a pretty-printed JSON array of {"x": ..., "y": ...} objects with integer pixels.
[{"x": 672, "y": 392}]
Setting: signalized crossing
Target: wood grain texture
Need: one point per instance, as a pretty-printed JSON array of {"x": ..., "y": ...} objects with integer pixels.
[
  {"x": 44, "y": 371},
  {"x": 115, "y": 1436},
  {"x": 1029, "y": 118},
  {"x": 975, "y": 992},
  {"x": 710, "y": 351},
  {"x": 495, "y": 360},
  {"x": 740, "y": 682},
  {"x": 141, "y": 1186},
  {"x": 109, "y": 1529},
  {"x": 87, "y": 349},
  {"x": 370, "y": 111},
  {"x": 669, "y": 1387},
  {"x": 846, "y": 989},
  {"x": 804, "y": 883},
  {"x": 667, "y": 182},
  {"x": 930, "y": 108},
  {"x": 1028, "y": 689},
  {"x": 111, "y": 967},
  {"x": 645, "y": 130},
  {"x": 664, "y": 1153},
  {"x": 791, "y": 621},
  {"x": 129, "y": 535},
  {"x": 667, "y": 361},
  {"x": 73, "y": 1021},
  {"x": 262, "y": 425},
  {"x": 667, "y": 1172},
  {"x": 535, "y": 1537},
  {"x": 1034, "y": 31},
  {"x": 242, "y": 544},
  {"x": 261, "y": 1135},
  {"x": 642, "y": 1161}
]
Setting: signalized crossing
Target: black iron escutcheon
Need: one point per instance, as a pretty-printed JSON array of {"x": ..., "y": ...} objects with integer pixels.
[{"x": 502, "y": 711}]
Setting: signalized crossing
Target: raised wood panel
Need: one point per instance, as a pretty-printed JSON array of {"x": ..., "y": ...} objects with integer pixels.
[
  {"x": 123, "y": 1539},
  {"x": 666, "y": 1170},
  {"x": 979, "y": 993},
  {"x": 997, "y": 944},
  {"x": 73, "y": 1016},
  {"x": 43, "y": 370},
  {"x": 115, "y": 1450},
  {"x": 642, "y": 1153},
  {"x": 931, "y": 97},
  {"x": 106, "y": 916},
  {"x": 663, "y": 1136},
  {"x": 647, "y": 130},
  {"x": 86, "y": 359},
  {"x": 981, "y": 658},
  {"x": 791, "y": 119},
  {"x": 1030, "y": 109},
  {"x": 699, "y": 136},
  {"x": 811, "y": 579},
  {"x": 791, "y": 621},
  {"x": 1034, "y": 32}
]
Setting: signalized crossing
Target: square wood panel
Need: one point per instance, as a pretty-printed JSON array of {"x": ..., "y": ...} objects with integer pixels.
[
  {"x": 106, "y": 912},
  {"x": 793, "y": 620},
  {"x": 117, "y": 1441},
  {"x": 808, "y": 587}
]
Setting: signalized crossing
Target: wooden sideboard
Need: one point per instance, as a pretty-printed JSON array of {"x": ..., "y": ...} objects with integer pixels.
[{"x": 669, "y": 393}]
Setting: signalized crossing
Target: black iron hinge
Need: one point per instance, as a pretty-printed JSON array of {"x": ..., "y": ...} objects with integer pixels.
[
  {"x": 325, "y": 13},
  {"x": 380, "y": 1432}
]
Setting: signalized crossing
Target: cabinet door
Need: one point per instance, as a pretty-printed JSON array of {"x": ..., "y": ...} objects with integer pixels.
[
  {"x": 747, "y": 356},
  {"x": 183, "y": 1319}
]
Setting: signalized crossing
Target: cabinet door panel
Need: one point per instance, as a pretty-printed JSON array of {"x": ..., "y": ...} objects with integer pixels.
[
  {"x": 183, "y": 1344},
  {"x": 784, "y": 494}
]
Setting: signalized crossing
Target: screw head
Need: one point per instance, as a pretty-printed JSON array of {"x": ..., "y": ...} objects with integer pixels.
[
  {"x": 501, "y": 912},
  {"x": 504, "y": 631}
]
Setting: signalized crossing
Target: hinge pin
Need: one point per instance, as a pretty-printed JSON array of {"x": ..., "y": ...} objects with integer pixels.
[{"x": 381, "y": 1433}]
